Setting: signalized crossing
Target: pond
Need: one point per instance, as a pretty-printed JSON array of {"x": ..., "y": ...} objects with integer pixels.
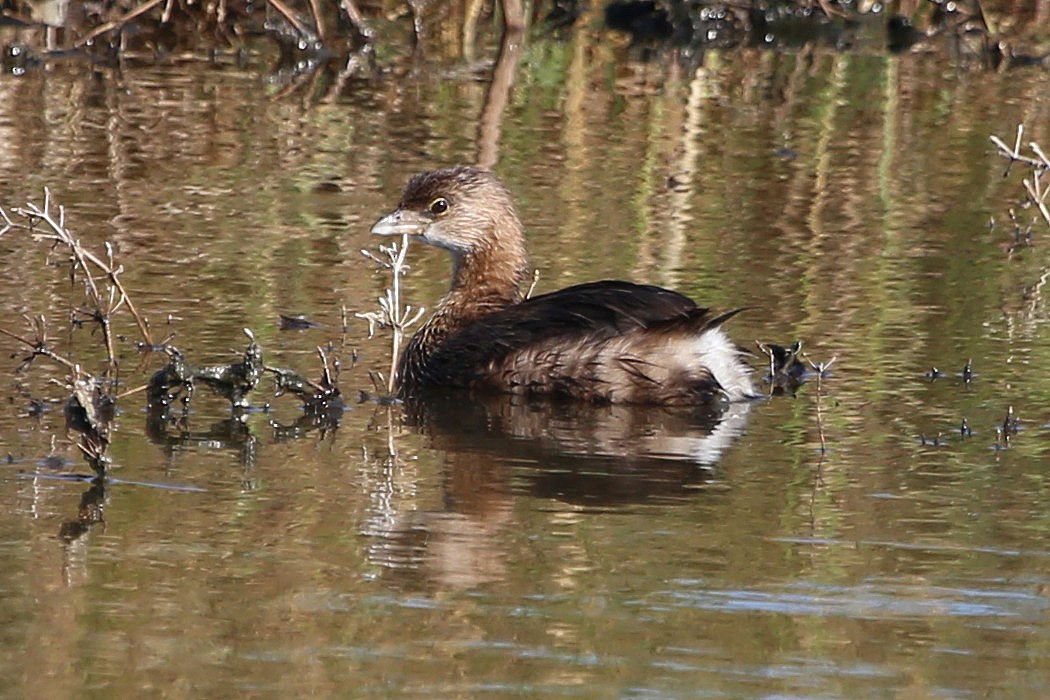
[{"x": 882, "y": 531}]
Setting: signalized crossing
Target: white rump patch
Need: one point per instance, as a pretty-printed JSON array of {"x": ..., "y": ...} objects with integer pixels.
[{"x": 722, "y": 357}]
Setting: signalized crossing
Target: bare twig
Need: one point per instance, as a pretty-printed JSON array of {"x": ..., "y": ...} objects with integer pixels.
[
  {"x": 1032, "y": 186},
  {"x": 8, "y": 224},
  {"x": 103, "y": 305},
  {"x": 821, "y": 368},
  {"x": 1014, "y": 154},
  {"x": 1040, "y": 165},
  {"x": 532, "y": 285},
  {"x": 286, "y": 12},
  {"x": 391, "y": 314},
  {"x": 39, "y": 347},
  {"x": 357, "y": 19},
  {"x": 117, "y": 23},
  {"x": 102, "y": 301}
]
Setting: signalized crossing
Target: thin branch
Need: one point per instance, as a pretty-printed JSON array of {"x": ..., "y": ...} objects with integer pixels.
[
  {"x": 1014, "y": 154},
  {"x": 40, "y": 348},
  {"x": 115, "y": 24},
  {"x": 81, "y": 257},
  {"x": 392, "y": 314},
  {"x": 532, "y": 286},
  {"x": 315, "y": 10},
  {"x": 1038, "y": 198},
  {"x": 357, "y": 19},
  {"x": 1040, "y": 165},
  {"x": 287, "y": 13},
  {"x": 1039, "y": 152}
]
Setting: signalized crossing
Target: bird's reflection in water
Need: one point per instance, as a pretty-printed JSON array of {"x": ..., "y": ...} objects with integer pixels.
[{"x": 498, "y": 449}]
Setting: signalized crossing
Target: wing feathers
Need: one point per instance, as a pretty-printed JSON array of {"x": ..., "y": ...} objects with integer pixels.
[{"x": 603, "y": 341}]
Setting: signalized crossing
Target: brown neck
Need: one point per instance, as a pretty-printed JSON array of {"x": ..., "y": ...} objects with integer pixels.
[{"x": 486, "y": 279}]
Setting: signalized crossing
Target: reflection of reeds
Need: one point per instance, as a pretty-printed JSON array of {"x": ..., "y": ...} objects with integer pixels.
[{"x": 391, "y": 314}]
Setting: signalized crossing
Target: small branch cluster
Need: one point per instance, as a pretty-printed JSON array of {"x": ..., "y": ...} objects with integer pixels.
[
  {"x": 90, "y": 405},
  {"x": 391, "y": 314},
  {"x": 1034, "y": 182},
  {"x": 39, "y": 346},
  {"x": 104, "y": 293}
]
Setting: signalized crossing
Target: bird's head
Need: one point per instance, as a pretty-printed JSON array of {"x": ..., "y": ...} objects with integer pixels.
[{"x": 463, "y": 209}]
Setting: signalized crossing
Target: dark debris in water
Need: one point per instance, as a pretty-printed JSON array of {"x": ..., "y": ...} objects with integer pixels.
[
  {"x": 235, "y": 381},
  {"x": 89, "y": 412},
  {"x": 1005, "y": 431},
  {"x": 231, "y": 381},
  {"x": 933, "y": 373},
  {"x": 936, "y": 440},
  {"x": 786, "y": 370},
  {"x": 967, "y": 373},
  {"x": 321, "y": 399},
  {"x": 944, "y": 439},
  {"x": 296, "y": 323}
]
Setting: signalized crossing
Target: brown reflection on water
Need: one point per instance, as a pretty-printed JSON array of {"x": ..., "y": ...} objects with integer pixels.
[
  {"x": 844, "y": 196},
  {"x": 494, "y": 450},
  {"x": 454, "y": 548}
]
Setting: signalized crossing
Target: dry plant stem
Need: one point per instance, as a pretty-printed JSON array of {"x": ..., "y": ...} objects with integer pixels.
[
  {"x": 82, "y": 257},
  {"x": 395, "y": 315},
  {"x": 131, "y": 392},
  {"x": 40, "y": 348},
  {"x": 357, "y": 19},
  {"x": 326, "y": 376},
  {"x": 820, "y": 415},
  {"x": 102, "y": 303},
  {"x": 315, "y": 10},
  {"x": 1037, "y": 192},
  {"x": 391, "y": 313},
  {"x": 1033, "y": 186},
  {"x": 287, "y": 13},
  {"x": 532, "y": 286},
  {"x": 821, "y": 368},
  {"x": 119, "y": 22},
  {"x": 1014, "y": 154}
]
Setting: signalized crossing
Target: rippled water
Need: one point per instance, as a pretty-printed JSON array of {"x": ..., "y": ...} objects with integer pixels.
[{"x": 520, "y": 548}]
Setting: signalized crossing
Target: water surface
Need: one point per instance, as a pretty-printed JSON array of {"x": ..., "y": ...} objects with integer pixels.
[{"x": 513, "y": 547}]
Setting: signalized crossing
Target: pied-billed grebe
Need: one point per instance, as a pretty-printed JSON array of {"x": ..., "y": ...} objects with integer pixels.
[{"x": 603, "y": 341}]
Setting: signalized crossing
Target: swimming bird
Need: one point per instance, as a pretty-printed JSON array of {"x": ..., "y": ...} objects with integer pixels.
[{"x": 603, "y": 342}]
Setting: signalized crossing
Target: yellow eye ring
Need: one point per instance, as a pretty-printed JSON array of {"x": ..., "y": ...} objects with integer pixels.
[{"x": 438, "y": 206}]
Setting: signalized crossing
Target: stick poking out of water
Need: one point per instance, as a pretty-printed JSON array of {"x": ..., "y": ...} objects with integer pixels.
[{"x": 391, "y": 314}]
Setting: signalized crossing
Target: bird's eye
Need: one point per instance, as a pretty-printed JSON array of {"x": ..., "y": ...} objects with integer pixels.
[{"x": 439, "y": 206}]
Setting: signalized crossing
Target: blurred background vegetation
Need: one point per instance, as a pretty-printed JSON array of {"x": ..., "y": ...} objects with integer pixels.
[{"x": 346, "y": 35}]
